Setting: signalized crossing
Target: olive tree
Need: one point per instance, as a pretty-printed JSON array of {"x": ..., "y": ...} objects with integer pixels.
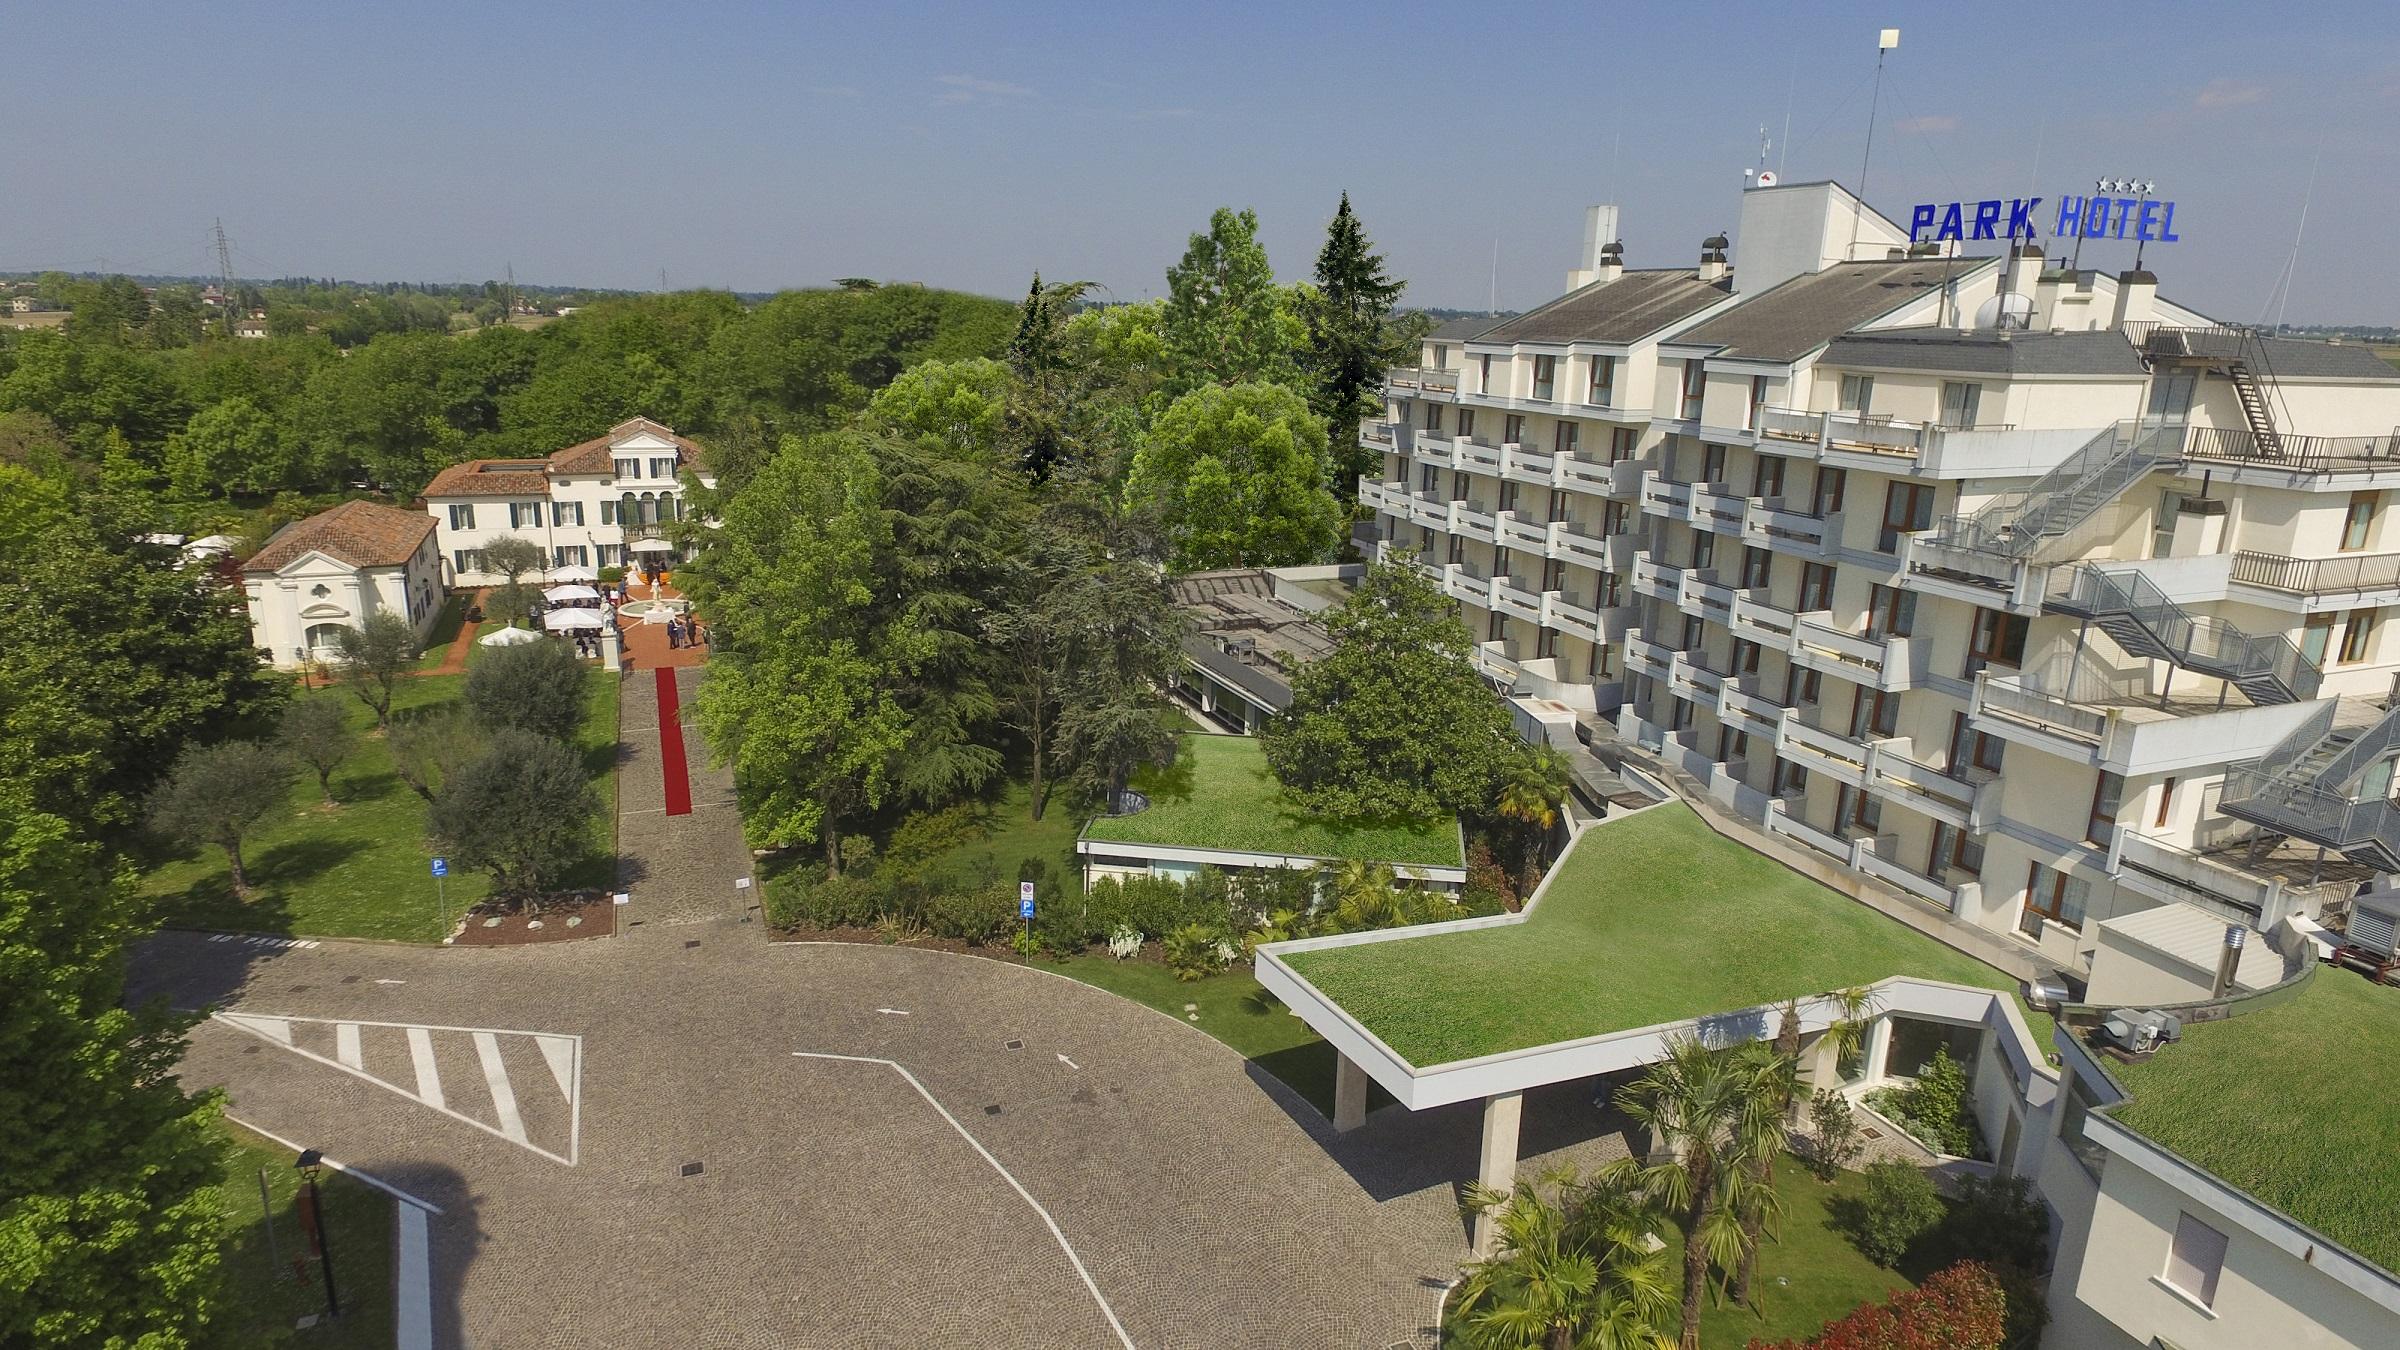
[
  {"x": 215, "y": 794},
  {"x": 521, "y": 810},
  {"x": 376, "y": 657}
]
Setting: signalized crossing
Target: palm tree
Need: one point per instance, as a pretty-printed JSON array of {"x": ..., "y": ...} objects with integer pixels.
[
  {"x": 1573, "y": 1270},
  {"x": 1535, "y": 788},
  {"x": 1365, "y": 896},
  {"x": 1846, "y": 1033}
]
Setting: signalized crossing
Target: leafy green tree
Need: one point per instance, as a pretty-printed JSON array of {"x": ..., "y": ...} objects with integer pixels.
[
  {"x": 1573, "y": 1269},
  {"x": 1238, "y": 479},
  {"x": 1043, "y": 410},
  {"x": 1351, "y": 340},
  {"x": 1394, "y": 721},
  {"x": 216, "y": 794},
  {"x": 375, "y": 657},
  {"x": 108, "y": 1220},
  {"x": 515, "y": 558},
  {"x": 230, "y": 447},
  {"x": 316, "y": 732},
  {"x": 1035, "y": 636},
  {"x": 959, "y": 406},
  {"x": 1126, "y": 639},
  {"x": 428, "y": 749},
  {"x": 533, "y": 686},
  {"x": 1224, "y": 320},
  {"x": 522, "y": 810}
]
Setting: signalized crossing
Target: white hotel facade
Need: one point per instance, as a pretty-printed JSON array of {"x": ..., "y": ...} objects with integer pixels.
[{"x": 2025, "y": 591}]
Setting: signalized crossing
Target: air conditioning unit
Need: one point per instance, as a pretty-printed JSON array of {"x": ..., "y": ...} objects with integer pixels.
[
  {"x": 2138, "y": 1032},
  {"x": 2375, "y": 924}
]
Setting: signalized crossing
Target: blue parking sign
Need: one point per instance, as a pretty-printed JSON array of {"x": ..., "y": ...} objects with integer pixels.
[
  {"x": 441, "y": 867},
  {"x": 1024, "y": 909}
]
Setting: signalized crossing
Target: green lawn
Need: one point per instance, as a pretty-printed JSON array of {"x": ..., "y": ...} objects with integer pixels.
[
  {"x": 1220, "y": 795},
  {"x": 1652, "y": 918},
  {"x": 444, "y": 631},
  {"x": 1808, "y": 1275},
  {"x": 1232, "y": 1008},
  {"x": 264, "y": 1297},
  {"x": 362, "y": 869},
  {"x": 2291, "y": 1104},
  {"x": 1011, "y": 835}
]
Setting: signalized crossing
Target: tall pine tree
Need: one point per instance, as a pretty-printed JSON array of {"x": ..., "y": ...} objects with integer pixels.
[{"x": 1351, "y": 341}]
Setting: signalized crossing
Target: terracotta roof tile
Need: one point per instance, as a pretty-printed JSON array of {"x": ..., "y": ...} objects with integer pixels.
[
  {"x": 361, "y": 534},
  {"x": 596, "y": 455},
  {"x": 491, "y": 478}
]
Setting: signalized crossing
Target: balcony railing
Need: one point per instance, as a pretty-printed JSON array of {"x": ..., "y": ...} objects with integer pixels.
[
  {"x": 1525, "y": 464},
  {"x": 2343, "y": 575},
  {"x": 1715, "y": 507},
  {"x": 1378, "y": 433},
  {"x": 1422, "y": 379},
  {"x": 2296, "y": 454},
  {"x": 1791, "y": 424},
  {"x": 1661, "y": 496}
]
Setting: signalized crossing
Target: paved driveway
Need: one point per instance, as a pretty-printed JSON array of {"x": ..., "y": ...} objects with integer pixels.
[{"x": 1032, "y": 1162}]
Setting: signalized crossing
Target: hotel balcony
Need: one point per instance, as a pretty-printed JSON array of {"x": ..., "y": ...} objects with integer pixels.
[
  {"x": 1961, "y": 896},
  {"x": 1471, "y": 582},
  {"x": 1472, "y": 519},
  {"x": 1476, "y": 457},
  {"x": 1756, "y": 620},
  {"x": 1744, "y": 705},
  {"x": 1969, "y": 803},
  {"x": 1391, "y": 497},
  {"x": 1523, "y": 464},
  {"x": 2116, "y": 722},
  {"x": 1574, "y": 471},
  {"x": 1886, "y": 663},
  {"x": 1786, "y": 426},
  {"x": 1713, "y": 507},
  {"x": 1431, "y": 507},
  {"x": 1441, "y": 386},
  {"x": 1701, "y": 595},
  {"x": 1644, "y": 657},
  {"x": 2349, "y": 580},
  {"x": 1656, "y": 579},
  {"x": 1820, "y": 751},
  {"x": 1569, "y": 542},
  {"x": 1533, "y": 536},
  {"x": 1571, "y": 614},
  {"x": 1430, "y": 447},
  {"x": 1951, "y": 571},
  {"x": 1519, "y": 597},
  {"x": 1663, "y": 498},
  {"x": 1379, "y": 435},
  {"x": 1774, "y": 523},
  {"x": 1687, "y": 678}
]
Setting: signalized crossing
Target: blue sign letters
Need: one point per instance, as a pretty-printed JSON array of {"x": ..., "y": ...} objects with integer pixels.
[{"x": 2078, "y": 218}]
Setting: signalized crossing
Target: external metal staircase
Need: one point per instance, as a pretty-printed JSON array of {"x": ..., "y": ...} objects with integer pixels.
[
  {"x": 2329, "y": 783},
  {"x": 2130, "y": 608},
  {"x": 2044, "y": 519},
  {"x": 2239, "y": 354}
]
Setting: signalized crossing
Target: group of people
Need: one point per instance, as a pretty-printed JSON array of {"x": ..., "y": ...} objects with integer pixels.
[{"x": 685, "y": 631}]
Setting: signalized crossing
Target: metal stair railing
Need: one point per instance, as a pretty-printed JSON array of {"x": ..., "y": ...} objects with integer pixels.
[
  {"x": 2018, "y": 524},
  {"x": 2209, "y": 645}
]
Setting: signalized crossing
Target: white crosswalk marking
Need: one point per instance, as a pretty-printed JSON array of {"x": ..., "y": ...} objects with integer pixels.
[
  {"x": 429, "y": 1079},
  {"x": 495, "y": 1077},
  {"x": 356, "y": 1044}
]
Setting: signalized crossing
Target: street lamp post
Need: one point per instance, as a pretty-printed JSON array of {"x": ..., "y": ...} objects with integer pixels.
[{"x": 309, "y": 1163}]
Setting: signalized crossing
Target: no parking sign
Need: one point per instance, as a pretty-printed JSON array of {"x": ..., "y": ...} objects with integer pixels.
[{"x": 1024, "y": 899}]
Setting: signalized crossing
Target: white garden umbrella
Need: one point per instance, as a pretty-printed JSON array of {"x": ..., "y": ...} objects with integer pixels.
[
  {"x": 573, "y": 572},
  {"x": 650, "y": 546},
  {"x": 559, "y": 595},
  {"x": 560, "y": 620},
  {"x": 511, "y": 636}
]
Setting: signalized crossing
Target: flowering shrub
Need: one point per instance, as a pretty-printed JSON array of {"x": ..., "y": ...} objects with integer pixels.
[
  {"x": 1124, "y": 941},
  {"x": 1961, "y": 1308}
]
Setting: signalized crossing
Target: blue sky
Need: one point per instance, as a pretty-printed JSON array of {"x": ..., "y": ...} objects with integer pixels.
[{"x": 765, "y": 145}]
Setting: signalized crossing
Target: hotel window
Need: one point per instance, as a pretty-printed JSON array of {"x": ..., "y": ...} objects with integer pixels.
[
  {"x": 1621, "y": 443},
  {"x": 1953, "y": 848},
  {"x": 1891, "y": 612},
  {"x": 1554, "y": 576},
  {"x": 1758, "y": 568},
  {"x": 1998, "y": 640},
  {"x": 2315, "y": 636},
  {"x": 1604, "y": 381},
  {"x": 2053, "y": 895},
  {"x": 1508, "y": 495},
  {"x": 1789, "y": 779},
  {"x": 1513, "y": 430},
  {"x": 1960, "y": 403},
  {"x": 1732, "y": 745},
  {"x": 1852, "y": 806},
  {"x": 1766, "y": 476},
  {"x": 1858, "y": 391},
  {"x": 1545, "y": 377},
  {"x": 1486, "y": 383},
  {"x": 1498, "y": 632},
  {"x": 1816, "y": 587},
  {"x": 1563, "y": 439},
  {"x": 1433, "y": 417},
  {"x": 1758, "y": 400},
  {"x": 1827, "y": 498},
  {"x": 1458, "y": 548},
  {"x": 2107, "y": 795},
  {"x": 663, "y": 467},
  {"x": 2195, "y": 1259},
  {"x": 1695, "y": 383},
  {"x": 1613, "y": 517},
  {"x": 1545, "y": 644},
  {"x": 1558, "y": 504},
  {"x": 1466, "y": 424},
  {"x": 1704, "y": 549},
  {"x": 1745, "y": 657},
  {"x": 1906, "y": 507},
  {"x": 1458, "y": 485},
  {"x": 462, "y": 517},
  {"x": 2358, "y": 522},
  {"x": 1604, "y": 661},
  {"x": 1801, "y": 687},
  {"x": 2166, "y": 803},
  {"x": 1681, "y": 717},
  {"x": 1970, "y": 748},
  {"x": 1872, "y": 711},
  {"x": 2358, "y": 634},
  {"x": 1693, "y": 636},
  {"x": 566, "y": 513},
  {"x": 2162, "y": 530},
  {"x": 1612, "y": 590},
  {"x": 629, "y": 468},
  {"x": 1712, "y": 464}
]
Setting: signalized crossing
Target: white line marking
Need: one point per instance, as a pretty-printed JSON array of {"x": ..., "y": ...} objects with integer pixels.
[
  {"x": 429, "y": 1078},
  {"x": 344, "y": 1168},
  {"x": 391, "y": 982},
  {"x": 1068, "y": 1062},
  {"x": 574, "y": 1109},
  {"x": 429, "y": 1026},
  {"x": 559, "y": 1052},
  {"x": 413, "y": 1286},
  {"x": 896, "y": 1012},
  {"x": 276, "y": 1029},
  {"x": 345, "y": 1046},
  {"x": 1013, "y": 1184},
  {"x": 495, "y": 1077}
]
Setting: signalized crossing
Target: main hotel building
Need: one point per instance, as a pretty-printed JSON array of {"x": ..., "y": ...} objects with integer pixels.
[{"x": 2016, "y": 587}]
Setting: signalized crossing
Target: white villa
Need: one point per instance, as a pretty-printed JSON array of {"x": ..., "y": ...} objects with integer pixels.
[
  {"x": 582, "y": 505},
  {"x": 321, "y": 575}
]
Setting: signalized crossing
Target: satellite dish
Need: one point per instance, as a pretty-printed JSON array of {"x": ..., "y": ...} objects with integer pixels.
[
  {"x": 2011, "y": 309},
  {"x": 1766, "y": 178}
]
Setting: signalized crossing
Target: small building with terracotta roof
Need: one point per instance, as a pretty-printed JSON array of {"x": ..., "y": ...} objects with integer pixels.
[
  {"x": 318, "y": 576},
  {"x": 582, "y": 505}
]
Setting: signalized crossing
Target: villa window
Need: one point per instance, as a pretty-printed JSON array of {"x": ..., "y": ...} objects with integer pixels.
[
  {"x": 611, "y": 554},
  {"x": 566, "y": 555},
  {"x": 2195, "y": 1260},
  {"x": 1604, "y": 381},
  {"x": 608, "y": 512},
  {"x": 462, "y": 516},
  {"x": 2358, "y": 522},
  {"x": 628, "y": 468},
  {"x": 663, "y": 467},
  {"x": 467, "y": 560},
  {"x": 566, "y": 513}
]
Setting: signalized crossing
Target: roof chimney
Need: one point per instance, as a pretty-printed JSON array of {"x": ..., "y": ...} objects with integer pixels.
[
  {"x": 1712, "y": 258},
  {"x": 2137, "y": 293},
  {"x": 1599, "y": 234},
  {"x": 2024, "y": 269},
  {"x": 1612, "y": 262}
]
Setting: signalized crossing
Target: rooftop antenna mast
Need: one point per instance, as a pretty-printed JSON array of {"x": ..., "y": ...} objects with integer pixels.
[
  {"x": 1495, "y": 274},
  {"x": 1885, "y": 41},
  {"x": 2291, "y": 265},
  {"x": 224, "y": 260}
]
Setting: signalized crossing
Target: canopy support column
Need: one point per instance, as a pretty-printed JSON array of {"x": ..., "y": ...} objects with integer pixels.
[
  {"x": 1349, "y": 1094},
  {"x": 1502, "y": 1113}
]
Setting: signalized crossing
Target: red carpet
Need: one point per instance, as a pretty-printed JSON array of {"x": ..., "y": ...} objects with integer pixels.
[{"x": 670, "y": 746}]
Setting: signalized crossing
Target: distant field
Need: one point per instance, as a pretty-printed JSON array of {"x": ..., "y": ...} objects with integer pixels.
[{"x": 2391, "y": 354}]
